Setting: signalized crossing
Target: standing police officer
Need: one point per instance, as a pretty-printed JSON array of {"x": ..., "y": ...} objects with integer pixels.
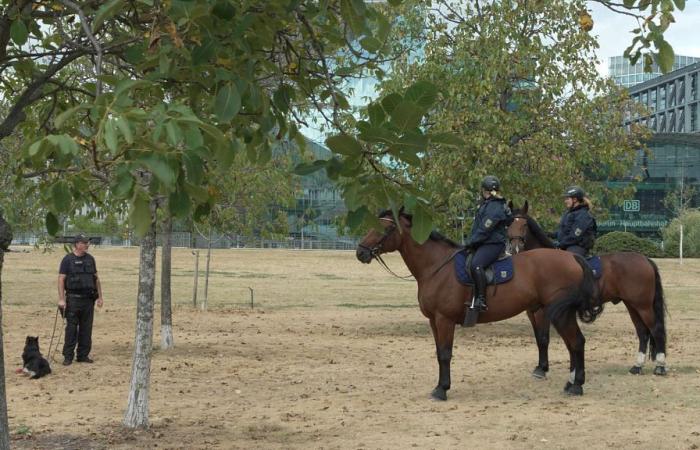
[
  {"x": 78, "y": 288},
  {"x": 488, "y": 235},
  {"x": 577, "y": 228}
]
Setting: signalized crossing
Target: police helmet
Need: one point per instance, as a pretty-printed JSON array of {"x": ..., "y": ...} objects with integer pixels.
[
  {"x": 491, "y": 183},
  {"x": 575, "y": 192},
  {"x": 81, "y": 238}
]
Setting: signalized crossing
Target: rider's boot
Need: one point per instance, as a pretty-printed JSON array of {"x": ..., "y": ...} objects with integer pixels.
[{"x": 479, "y": 288}]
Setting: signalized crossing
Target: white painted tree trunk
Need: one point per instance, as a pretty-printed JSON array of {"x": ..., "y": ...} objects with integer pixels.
[
  {"x": 166, "y": 314},
  {"x": 136, "y": 415},
  {"x": 5, "y": 239}
]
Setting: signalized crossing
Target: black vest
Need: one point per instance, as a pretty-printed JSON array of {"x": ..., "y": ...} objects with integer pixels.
[{"x": 80, "y": 279}]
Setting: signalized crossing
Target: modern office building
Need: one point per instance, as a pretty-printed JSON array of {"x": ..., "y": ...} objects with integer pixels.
[
  {"x": 628, "y": 75},
  {"x": 672, "y": 161}
]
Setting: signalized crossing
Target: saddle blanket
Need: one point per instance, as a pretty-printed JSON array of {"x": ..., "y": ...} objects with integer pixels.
[
  {"x": 596, "y": 266},
  {"x": 497, "y": 273}
]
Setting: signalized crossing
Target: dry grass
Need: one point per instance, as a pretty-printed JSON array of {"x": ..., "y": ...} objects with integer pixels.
[{"x": 336, "y": 355}]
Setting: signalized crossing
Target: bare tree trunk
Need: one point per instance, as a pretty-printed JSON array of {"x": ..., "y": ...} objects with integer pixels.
[
  {"x": 206, "y": 277},
  {"x": 166, "y": 314},
  {"x": 5, "y": 239},
  {"x": 136, "y": 414}
]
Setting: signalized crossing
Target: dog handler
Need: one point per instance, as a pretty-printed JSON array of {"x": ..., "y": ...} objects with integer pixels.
[{"x": 78, "y": 290}]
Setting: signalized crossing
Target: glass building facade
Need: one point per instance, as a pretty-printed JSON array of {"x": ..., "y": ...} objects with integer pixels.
[
  {"x": 628, "y": 75},
  {"x": 671, "y": 162}
]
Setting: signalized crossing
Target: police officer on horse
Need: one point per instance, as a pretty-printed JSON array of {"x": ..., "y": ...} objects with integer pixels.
[
  {"x": 577, "y": 227},
  {"x": 78, "y": 290},
  {"x": 488, "y": 235}
]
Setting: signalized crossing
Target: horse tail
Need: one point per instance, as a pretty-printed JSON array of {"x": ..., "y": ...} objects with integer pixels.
[
  {"x": 659, "y": 305},
  {"x": 584, "y": 301}
]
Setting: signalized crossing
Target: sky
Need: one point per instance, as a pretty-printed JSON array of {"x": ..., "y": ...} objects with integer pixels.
[{"x": 614, "y": 32}]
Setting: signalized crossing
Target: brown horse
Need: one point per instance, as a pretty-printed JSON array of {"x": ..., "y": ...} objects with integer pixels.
[
  {"x": 627, "y": 277},
  {"x": 560, "y": 281}
]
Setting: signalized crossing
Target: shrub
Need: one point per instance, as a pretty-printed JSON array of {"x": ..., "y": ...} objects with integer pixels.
[
  {"x": 622, "y": 241},
  {"x": 691, "y": 235}
]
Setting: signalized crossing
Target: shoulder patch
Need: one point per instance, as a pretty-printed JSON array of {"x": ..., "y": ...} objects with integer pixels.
[
  {"x": 488, "y": 223},
  {"x": 578, "y": 232}
]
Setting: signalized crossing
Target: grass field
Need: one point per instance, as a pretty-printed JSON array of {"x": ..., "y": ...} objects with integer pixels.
[{"x": 336, "y": 354}]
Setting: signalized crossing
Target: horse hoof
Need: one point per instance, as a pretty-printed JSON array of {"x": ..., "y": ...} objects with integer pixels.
[
  {"x": 567, "y": 386},
  {"x": 439, "y": 394},
  {"x": 635, "y": 370},
  {"x": 660, "y": 370},
  {"x": 539, "y": 373},
  {"x": 574, "y": 390}
]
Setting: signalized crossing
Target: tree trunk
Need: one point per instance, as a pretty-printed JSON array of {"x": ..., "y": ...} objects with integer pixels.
[
  {"x": 136, "y": 414},
  {"x": 166, "y": 314},
  {"x": 5, "y": 239}
]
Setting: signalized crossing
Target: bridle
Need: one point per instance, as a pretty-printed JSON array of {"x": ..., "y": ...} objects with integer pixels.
[
  {"x": 375, "y": 250},
  {"x": 520, "y": 238}
]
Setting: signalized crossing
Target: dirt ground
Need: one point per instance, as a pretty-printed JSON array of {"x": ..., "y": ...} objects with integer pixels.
[{"x": 336, "y": 354}]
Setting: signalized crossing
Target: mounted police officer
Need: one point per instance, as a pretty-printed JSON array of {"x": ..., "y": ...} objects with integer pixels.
[
  {"x": 78, "y": 290},
  {"x": 577, "y": 227},
  {"x": 488, "y": 235}
]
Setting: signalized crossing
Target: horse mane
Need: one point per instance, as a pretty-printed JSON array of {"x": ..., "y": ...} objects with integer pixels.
[
  {"x": 434, "y": 235},
  {"x": 538, "y": 232}
]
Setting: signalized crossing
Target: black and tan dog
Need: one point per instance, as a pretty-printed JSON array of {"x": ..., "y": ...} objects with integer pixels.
[{"x": 35, "y": 365}]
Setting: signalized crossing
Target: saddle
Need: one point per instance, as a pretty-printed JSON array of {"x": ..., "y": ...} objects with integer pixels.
[
  {"x": 596, "y": 266},
  {"x": 499, "y": 272}
]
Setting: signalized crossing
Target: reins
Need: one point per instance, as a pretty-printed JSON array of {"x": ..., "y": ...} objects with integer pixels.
[{"x": 53, "y": 333}]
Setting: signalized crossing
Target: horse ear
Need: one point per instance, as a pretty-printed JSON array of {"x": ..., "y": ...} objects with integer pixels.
[
  {"x": 510, "y": 204},
  {"x": 525, "y": 206}
]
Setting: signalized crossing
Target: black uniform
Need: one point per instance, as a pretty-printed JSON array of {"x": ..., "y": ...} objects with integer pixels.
[
  {"x": 488, "y": 240},
  {"x": 81, "y": 293},
  {"x": 577, "y": 230}
]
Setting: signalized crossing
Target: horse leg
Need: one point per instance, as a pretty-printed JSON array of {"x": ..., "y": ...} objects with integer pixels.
[
  {"x": 540, "y": 326},
  {"x": 644, "y": 336},
  {"x": 658, "y": 338},
  {"x": 443, "y": 331},
  {"x": 568, "y": 329}
]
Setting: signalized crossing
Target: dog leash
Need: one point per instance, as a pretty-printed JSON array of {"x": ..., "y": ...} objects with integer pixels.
[{"x": 53, "y": 333}]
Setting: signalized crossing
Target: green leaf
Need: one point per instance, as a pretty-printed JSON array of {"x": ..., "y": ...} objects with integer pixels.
[
  {"x": 356, "y": 218},
  {"x": 129, "y": 85},
  {"x": 66, "y": 145},
  {"x": 194, "y": 167},
  {"x": 376, "y": 114},
  {"x": 371, "y": 44},
  {"x": 224, "y": 10},
  {"x": 174, "y": 133},
  {"x": 666, "y": 56},
  {"x": 61, "y": 197},
  {"x": 379, "y": 134},
  {"x": 283, "y": 97},
  {"x": 309, "y": 168},
  {"x": 407, "y": 115},
  {"x": 124, "y": 183},
  {"x": 67, "y": 114},
  {"x": 110, "y": 136},
  {"x": 680, "y": 4},
  {"x": 344, "y": 144},
  {"x": 422, "y": 224},
  {"x": 448, "y": 139},
  {"x": 390, "y": 102},
  {"x": 52, "y": 225},
  {"x": 395, "y": 2},
  {"x": 199, "y": 194},
  {"x": 140, "y": 214},
  {"x": 18, "y": 32},
  {"x": 179, "y": 204},
  {"x": 125, "y": 130},
  {"x": 227, "y": 103},
  {"x": 628, "y": 3},
  {"x": 422, "y": 93},
  {"x": 226, "y": 153},
  {"x": 160, "y": 167},
  {"x": 105, "y": 12}
]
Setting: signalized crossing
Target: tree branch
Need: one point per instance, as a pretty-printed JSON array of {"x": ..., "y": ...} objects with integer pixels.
[{"x": 93, "y": 41}]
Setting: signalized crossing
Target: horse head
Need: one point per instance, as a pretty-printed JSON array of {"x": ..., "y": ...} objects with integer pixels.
[
  {"x": 518, "y": 230},
  {"x": 387, "y": 240}
]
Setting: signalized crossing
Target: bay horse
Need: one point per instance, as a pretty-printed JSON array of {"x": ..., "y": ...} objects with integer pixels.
[
  {"x": 561, "y": 282},
  {"x": 627, "y": 277}
]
